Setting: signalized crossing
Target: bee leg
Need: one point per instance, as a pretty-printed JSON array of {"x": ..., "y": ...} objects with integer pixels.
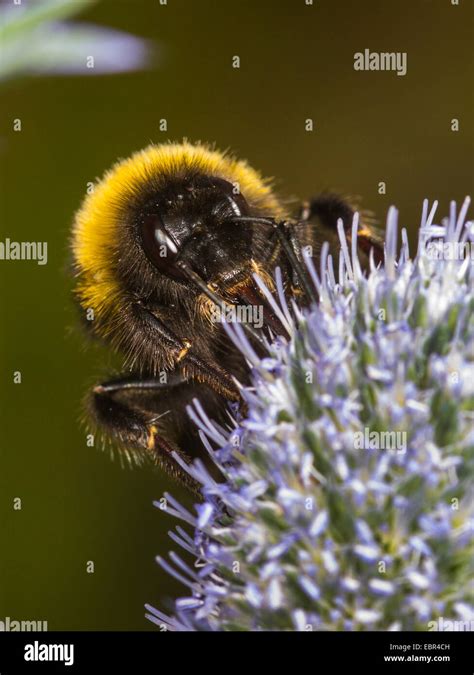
[
  {"x": 143, "y": 416},
  {"x": 215, "y": 376},
  {"x": 328, "y": 208},
  {"x": 321, "y": 215},
  {"x": 292, "y": 248}
]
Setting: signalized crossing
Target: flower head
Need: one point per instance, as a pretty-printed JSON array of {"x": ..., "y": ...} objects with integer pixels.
[{"x": 346, "y": 503}]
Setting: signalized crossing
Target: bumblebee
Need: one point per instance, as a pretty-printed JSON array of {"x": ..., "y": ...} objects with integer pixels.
[{"x": 165, "y": 236}]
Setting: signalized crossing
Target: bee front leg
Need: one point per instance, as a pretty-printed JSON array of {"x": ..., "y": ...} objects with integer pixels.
[
  {"x": 190, "y": 363},
  {"x": 292, "y": 250}
]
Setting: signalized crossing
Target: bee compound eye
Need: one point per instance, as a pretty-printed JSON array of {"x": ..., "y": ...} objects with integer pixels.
[{"x": 159, "y": 247}]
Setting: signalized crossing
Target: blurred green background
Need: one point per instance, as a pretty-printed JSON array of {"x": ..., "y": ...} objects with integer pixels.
[{"x": 296, "y": 63}]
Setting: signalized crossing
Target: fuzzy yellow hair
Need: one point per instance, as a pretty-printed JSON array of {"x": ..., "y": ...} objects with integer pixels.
[{"x": 96, "y": 231}]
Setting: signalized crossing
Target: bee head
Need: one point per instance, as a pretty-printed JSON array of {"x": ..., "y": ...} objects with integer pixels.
[
  {"x": 167, "y": 206},
  {"x": 190, "y": 222}
]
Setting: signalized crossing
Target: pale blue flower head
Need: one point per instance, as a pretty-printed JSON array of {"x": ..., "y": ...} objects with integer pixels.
[{"x": 347, "y": 500}]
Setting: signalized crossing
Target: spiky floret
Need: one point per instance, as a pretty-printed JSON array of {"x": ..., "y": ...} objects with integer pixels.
[{"x": 100, "y": 227}]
